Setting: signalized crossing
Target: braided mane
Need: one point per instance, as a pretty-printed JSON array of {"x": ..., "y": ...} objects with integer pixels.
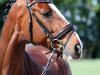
[{"x": 9, "y": 4}]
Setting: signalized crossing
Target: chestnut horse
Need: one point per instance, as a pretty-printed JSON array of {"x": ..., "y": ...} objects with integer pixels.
[{"x": 41, "y": 23}]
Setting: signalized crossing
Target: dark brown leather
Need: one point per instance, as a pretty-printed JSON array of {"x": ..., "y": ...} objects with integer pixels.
[
  {"x": 40, "y": 1},
  {"x": 64, "y": 31},
  {"x": 46, "y": 1}
]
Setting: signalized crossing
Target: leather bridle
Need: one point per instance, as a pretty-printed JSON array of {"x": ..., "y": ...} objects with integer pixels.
[{"x": 65, "y": 30}]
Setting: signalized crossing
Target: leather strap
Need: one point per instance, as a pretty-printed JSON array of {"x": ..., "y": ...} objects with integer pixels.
[
  {"x": 64, "y": 31},
  {"x": 45, "y": 1},
  {"x": 39, "y": 1}
]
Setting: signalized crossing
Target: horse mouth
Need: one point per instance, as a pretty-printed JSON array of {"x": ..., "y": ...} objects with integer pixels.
[
  {"x": 76, "y": 57},
  {"x": 71, "y": 56}
]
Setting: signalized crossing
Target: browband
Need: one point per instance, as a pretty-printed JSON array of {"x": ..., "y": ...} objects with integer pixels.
[
  {"x": 39, "y": 1},
  {"x": 45, "y": 1}
]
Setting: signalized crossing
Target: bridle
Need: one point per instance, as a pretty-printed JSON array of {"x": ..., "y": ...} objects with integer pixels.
[{"x": 65, "y": 30}]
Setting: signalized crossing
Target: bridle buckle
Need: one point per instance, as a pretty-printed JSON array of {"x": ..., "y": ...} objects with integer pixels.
[{"x": 56, "y": 45}]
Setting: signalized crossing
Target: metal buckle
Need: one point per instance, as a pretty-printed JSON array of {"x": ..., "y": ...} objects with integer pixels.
[{"x": 55, "y": 44}]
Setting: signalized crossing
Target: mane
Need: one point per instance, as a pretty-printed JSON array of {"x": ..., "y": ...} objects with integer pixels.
[{"x": 9, "y": 4}]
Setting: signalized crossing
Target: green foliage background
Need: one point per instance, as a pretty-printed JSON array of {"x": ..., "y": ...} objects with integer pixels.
[{"x": 85, "y": 15}]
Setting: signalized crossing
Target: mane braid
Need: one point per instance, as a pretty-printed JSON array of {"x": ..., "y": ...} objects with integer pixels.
[{"x": 9, "y": 4}]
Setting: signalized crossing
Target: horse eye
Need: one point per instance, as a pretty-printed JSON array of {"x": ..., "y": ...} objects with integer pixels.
[{"x": 46, "y": 13}]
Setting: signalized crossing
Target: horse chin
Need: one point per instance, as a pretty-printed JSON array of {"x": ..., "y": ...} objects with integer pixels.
[
  {"x": 67, "y": 58},
  {"x": 70, "y": 57}
]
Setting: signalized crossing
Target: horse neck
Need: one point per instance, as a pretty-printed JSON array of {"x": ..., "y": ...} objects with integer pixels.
[
  {"x": 5, "y": 36},
  {"x": 14, "y": 52},
  {"x": 18, "y": 56}
]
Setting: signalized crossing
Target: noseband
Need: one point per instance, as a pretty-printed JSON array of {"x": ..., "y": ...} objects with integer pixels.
[{"x": 63, "y": 31}]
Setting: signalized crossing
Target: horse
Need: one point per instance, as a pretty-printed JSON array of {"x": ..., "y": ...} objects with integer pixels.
[{"x": 40, "y": 23}]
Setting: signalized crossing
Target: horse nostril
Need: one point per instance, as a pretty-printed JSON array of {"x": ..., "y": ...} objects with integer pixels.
[{"x": 77, "y": 48}]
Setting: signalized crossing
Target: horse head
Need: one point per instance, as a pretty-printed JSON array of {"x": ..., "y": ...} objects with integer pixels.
[{"x": 43, "y": 24}]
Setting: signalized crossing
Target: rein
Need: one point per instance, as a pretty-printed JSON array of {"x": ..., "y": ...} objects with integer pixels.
[{"x": 67, "y": 29}]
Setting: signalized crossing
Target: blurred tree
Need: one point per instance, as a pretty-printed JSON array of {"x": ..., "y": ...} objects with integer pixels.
[
  {"x": 85, "y": 15},
  {"x": 2, "y": 9}
]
